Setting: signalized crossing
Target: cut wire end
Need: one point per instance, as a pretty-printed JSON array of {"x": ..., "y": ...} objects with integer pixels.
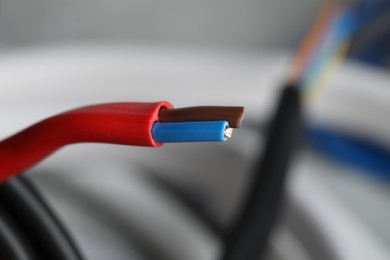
[
  {"x": 127, "y": 123},
  {"x": 228, "y": 132}
]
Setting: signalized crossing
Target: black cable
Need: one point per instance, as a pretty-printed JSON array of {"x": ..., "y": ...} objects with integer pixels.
[
  {"x": 250, "y": 234},
  {"x": 44, "y": 232},
  {"x": 13, "y": 244}
]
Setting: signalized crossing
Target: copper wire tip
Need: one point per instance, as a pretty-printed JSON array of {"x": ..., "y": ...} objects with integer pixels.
[{"x": 228, "y": 132}]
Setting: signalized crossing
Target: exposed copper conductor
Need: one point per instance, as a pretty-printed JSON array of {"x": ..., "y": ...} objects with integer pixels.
[
  {"x": 233, "y": 115},
  {"x": 228, "y": 132}
]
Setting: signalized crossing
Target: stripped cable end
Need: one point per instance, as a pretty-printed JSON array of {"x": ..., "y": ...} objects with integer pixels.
[
  {"x": 127, "y": 123},
  {"x": 197, "y": 124}
]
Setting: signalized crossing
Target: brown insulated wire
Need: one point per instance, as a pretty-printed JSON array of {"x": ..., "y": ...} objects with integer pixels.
[{"x": 233, "y": 115}]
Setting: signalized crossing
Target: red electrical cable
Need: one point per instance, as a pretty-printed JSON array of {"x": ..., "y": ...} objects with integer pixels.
[{"x": 117, "y": 123}]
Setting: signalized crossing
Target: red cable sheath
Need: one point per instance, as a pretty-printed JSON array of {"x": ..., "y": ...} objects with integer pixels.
[{"x": 116, "y": 123}]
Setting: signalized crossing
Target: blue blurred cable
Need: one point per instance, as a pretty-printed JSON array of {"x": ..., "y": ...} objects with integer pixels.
[
  {"x": 356, "y": 152},
  {"x": 209, "y": 131},
  {"x": 371, "y": 43}
]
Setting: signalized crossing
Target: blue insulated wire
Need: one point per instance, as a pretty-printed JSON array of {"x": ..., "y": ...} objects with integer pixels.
[{"x": 209, "y": 131}]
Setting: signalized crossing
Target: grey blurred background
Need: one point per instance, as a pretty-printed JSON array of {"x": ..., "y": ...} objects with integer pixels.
[{"x": 245, "y": 24}]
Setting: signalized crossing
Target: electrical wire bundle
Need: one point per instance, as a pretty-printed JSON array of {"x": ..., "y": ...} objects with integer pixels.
[
  {"x": 140, "y": 124},
  {"x": 340, "y": 27},
  {"x": 322, "y": 50}
]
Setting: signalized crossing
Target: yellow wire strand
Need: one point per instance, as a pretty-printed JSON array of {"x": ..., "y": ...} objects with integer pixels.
[
  {"x": 312, "y": 39},
  {"x": 331, "y": 65}
]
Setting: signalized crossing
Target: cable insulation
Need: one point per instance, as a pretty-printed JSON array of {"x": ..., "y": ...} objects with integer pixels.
[
  {"x": 234, "y": 115},
  {"x": 213, "y": 131},
  {"x": 116, "y": 123}
]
